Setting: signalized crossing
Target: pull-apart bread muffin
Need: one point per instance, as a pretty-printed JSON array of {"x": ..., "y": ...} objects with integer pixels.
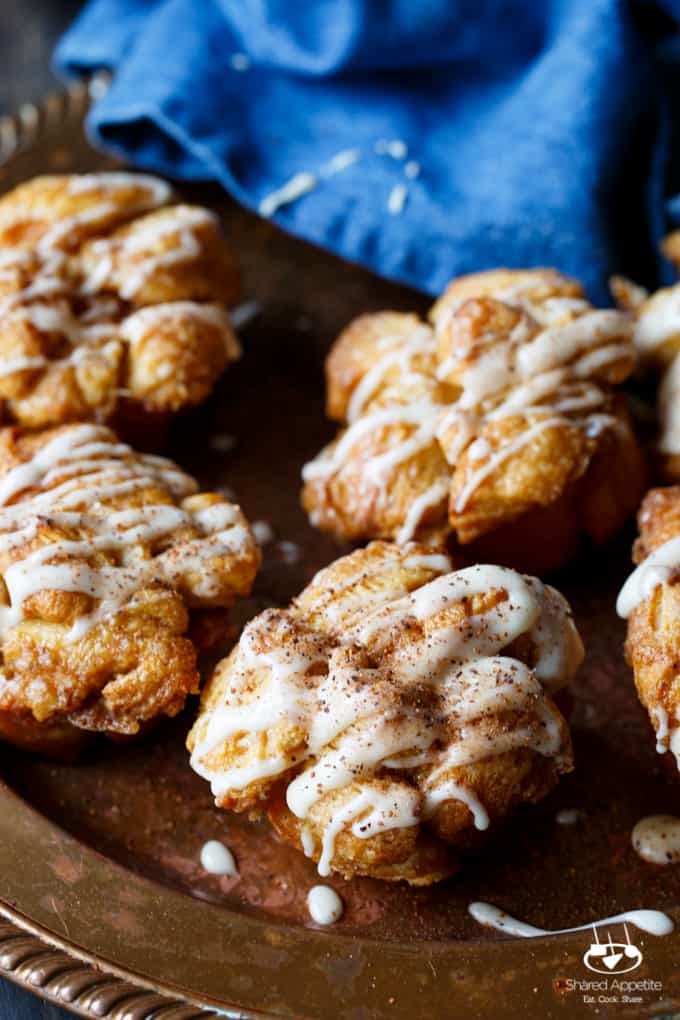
[
  {"x": 395, "y": 713},
  {"x": 114, "y": 571},
  {"x": 497, "y": 425},
  {"x": 650, "y": 601},
  {"x": 112, "y": 300},
  {"x": 657, "y": 339}
]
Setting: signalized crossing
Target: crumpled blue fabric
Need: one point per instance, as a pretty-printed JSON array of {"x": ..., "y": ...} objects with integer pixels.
[{"x": 543, "y": 129}]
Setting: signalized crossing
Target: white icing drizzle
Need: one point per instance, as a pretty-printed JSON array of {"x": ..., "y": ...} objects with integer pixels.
[
  {"x": 324, "y": 905},
  {"x": 307, "y": 840},
  {"x": 179, "y": 222},
  {"x": 75, "y": 474},
  {"x": 657, "y": 325},
  {"x": 217, "y": 859},
  {"x": 358, "y": 738},
  {"x": 542, "y": 377},
  {"x": 660, "y": 567},
  {"x": 88, "y": 340},
  {"x": 400, "y": 354},
  {"x": 431, "y": 497},
  {"x": 92, "y": 335},
  {"x": 12, "y": 258},
  {"x": 437, "y": 794},
  {"x": 658, "y": 320},
  {"x": 397, "y": 199},
  {"x": 137, "y": 326},
  {"x": 660, "y": 720},
  {"x": 656, "y": 839},
  {"x": 674, "y": 744},
  {"x": 546, "y": 370},
  {"x": 423, "y": 416},
  {"x": 394, "y": 147},
  {"x": 339, "y": 162},
  {"x": 100, "y": 308},
  {"x": 500, "y": 456},
  {"x": 154, "y": 192},
  {"x": 302, "y": 183},
  {"x": 654, "y": 922},
  {"x": 339, "y": 603},
  {"x": 46, "y": 281},
  {"x": 159, "y": 190},
  {"x": 559, "y": 344},
  {"x": 12, "y": 365},
  {"x": 299, "y": 185}
]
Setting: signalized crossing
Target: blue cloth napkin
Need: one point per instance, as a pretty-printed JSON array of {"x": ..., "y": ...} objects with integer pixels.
[{"x": 439, "y": 136}]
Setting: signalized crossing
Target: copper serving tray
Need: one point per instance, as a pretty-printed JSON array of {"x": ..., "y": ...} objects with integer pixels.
[{"x": 106, "y": 908}]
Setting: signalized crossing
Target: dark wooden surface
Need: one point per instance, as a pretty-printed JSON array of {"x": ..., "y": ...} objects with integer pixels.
[{"x": 28, "y": 32}]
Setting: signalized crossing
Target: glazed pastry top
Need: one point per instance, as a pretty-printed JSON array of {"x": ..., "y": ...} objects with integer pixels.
[
  {"x": 657, "y": 340},
  {"x": 650, "y": 600},
  {"x": 108, "y": 291},
  {"x": 103, "y": 553},
  {"x": 495, "y": 407},
  {"x": 383, "y": 684}
]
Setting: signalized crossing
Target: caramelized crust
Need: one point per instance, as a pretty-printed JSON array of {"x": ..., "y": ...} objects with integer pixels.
[
  {"x": 394, "y": 714},
  {"x": 501, "y": 415},
  {"x": 70, "y": 209},
  {"x": 657, "y": 340},
  {"x": 653, "y": 640},
  {"x": 109, "y": 295},
  {"x": 362, "y": 345},
  {"x": 121, "y": 264},
  {"x": 106, "y": 556},
  {"x": 534, "y": 285}
]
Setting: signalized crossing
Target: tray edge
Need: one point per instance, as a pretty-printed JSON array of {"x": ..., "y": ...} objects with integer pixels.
[{"x": 29, "y": 957}]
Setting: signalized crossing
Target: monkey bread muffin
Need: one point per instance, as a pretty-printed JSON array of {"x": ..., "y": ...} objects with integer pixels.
[
  {"x": 650, "y": 601},
  {"x": 113, "y": 301},
  {"x": 497, "y": 427},
  {"x": 114, "y": 572},
  {"x": 395, "y": 713}
]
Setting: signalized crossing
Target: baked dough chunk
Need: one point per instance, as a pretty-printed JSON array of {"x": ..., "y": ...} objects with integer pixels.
[
  {"x": 395, "y": 713},
  {"x": 111, "y": 300},
  {"x": 498, "y": 424},
  {"x": 110, "y": 562},
  {"x": 657, "y": 339},
  {"x": 650, "y": 600}
]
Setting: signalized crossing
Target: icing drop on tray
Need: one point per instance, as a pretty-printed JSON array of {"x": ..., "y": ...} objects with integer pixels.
[
  {"x": 217, "y": 858},
  {"x": 656, "y": 839},
  {"x": 324, "y": 905}
]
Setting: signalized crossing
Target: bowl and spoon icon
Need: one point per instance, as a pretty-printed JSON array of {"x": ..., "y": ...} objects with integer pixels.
[{"x": 612, "y": 957}]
